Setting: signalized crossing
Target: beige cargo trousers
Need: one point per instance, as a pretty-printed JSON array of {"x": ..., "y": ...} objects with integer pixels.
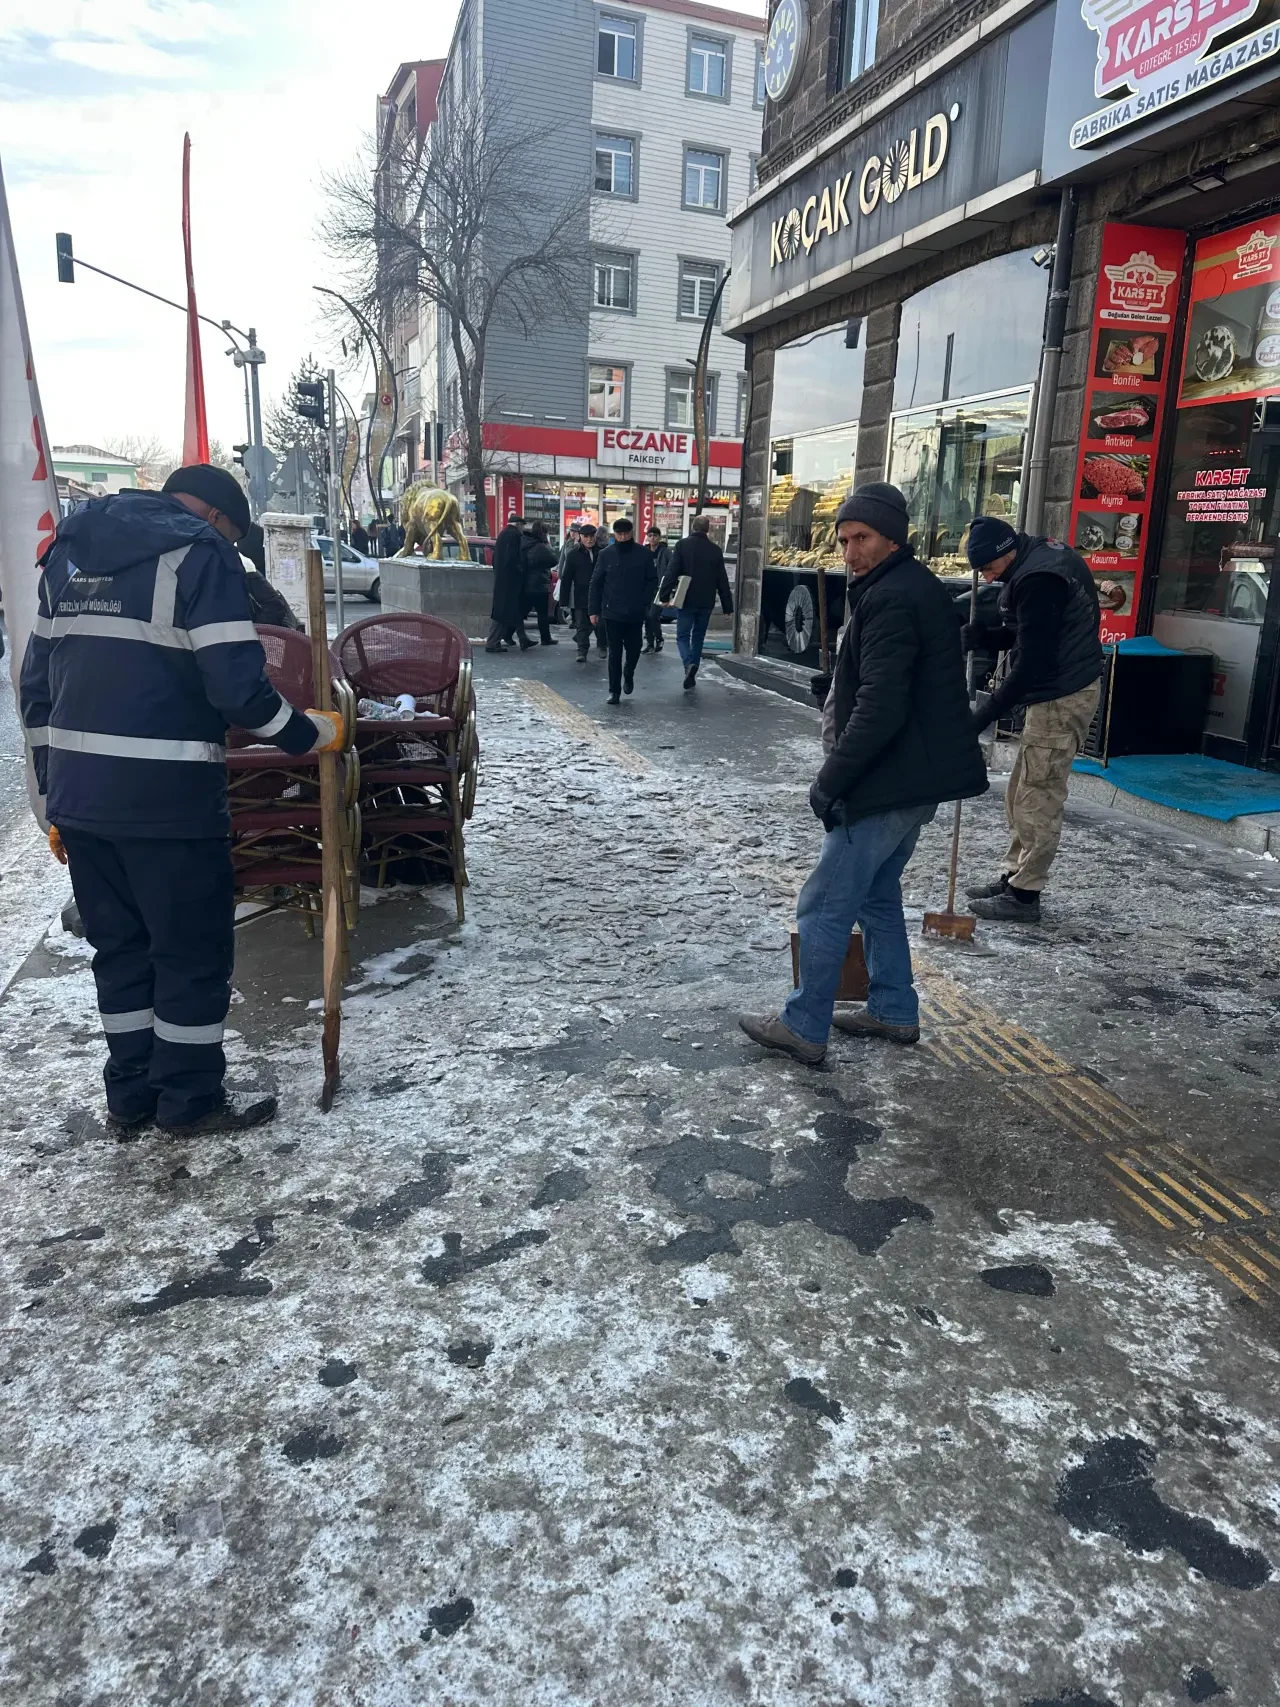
[{"x": 1053, "y": 735}]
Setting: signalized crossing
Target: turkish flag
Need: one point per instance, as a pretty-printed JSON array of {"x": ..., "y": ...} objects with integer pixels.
[
  {"x": 195, "y": 432},
  {"x": 28, "y": 492}
]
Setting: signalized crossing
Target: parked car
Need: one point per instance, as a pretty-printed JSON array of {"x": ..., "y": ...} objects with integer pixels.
[
  {"x": 360, "y": 574},
  {"x": 481, "y": 547}
]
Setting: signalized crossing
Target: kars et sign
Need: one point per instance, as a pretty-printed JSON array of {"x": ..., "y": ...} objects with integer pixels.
[{"x": 643, "y": 451}]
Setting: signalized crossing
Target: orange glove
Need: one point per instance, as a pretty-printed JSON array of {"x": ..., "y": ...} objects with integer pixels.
[
  {"x": 55, "y": 845},
  {"x": 329, "y": 729}
]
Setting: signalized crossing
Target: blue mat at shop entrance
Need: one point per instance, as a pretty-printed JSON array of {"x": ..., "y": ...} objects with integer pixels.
[{"x": 1189, "y": 782}]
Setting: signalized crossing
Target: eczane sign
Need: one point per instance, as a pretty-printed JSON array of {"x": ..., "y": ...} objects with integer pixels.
[{"x": 643, "y": 451}]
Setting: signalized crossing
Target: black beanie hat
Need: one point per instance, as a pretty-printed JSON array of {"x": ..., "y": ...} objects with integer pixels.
[
  {"x": 880, "y": 506},
  {"x": 216, "y": 487},
  {"x": 989, "y": 537}
]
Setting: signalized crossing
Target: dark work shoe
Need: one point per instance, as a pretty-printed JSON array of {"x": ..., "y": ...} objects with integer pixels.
[
  {"x": 129, "y": 1122},
  {"x": 1007, "y": 906},
  {"x": 985, "y": 891},
  {"x": 628, "y": 684},
  {"x": 691, "y": 677},
  {"x": 582, "y": 657},
  {"x": 552, "y": 642},
  {"x": 614, "y": 699},
  {"x": 240, "y": 1110},
  {"x": 498, "y": 648},
  {"x": 770, "y": 1033},
  {"x": 647, "y": 649},
  {"x": 856, "y": 1022}
]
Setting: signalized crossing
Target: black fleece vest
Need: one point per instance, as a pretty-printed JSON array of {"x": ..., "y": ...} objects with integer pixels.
[{"x": 1079, "y": 649}]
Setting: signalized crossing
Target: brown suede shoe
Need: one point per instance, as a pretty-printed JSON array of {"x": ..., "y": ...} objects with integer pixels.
[
  {"x": 857, "y": 1022},
  {"x": 770, "y": 1033}
]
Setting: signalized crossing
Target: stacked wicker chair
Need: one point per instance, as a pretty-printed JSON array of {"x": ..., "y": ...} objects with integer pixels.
[
  {"x": 417, "y": 778},
  {"x": 275, "y": 797}
]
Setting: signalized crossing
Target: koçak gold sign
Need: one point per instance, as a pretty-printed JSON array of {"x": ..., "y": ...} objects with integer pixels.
[{"x": 903, "y": 167}]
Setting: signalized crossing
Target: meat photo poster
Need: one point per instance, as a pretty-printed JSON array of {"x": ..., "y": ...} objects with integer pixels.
[{"x": 1134, "y": 307}]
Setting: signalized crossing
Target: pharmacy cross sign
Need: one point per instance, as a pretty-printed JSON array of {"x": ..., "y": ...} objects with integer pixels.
[{"x": 1152, "y": 53}]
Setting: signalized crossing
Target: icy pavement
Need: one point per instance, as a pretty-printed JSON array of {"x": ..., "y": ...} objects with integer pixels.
[{"x": 583, "y": 1355}]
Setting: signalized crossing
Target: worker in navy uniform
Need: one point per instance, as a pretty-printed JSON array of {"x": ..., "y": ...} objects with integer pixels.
[{"x": 144, "y": 651}]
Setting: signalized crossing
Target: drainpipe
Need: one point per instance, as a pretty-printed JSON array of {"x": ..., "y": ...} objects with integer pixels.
[{"x": 1055, "y": 325}]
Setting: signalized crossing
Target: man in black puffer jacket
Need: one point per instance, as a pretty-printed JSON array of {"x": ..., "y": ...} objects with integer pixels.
[
  {"x": 622, "y": 589},
  {"x": 537, "y": 560},
  {"x": 1049, "y": 605},
  {"x": 901, "y": 741}
]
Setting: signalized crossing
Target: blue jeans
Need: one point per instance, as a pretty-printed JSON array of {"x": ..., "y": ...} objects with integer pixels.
[
  {"x": 691, "y": 631},
  {"x": 857, "y": 880}
]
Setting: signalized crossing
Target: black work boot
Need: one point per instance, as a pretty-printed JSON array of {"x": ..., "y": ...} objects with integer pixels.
[
  {"x": 1008, "y": 907},
  {"x": 240, "y": 1110},
  {"x": 985, "y": 891}
]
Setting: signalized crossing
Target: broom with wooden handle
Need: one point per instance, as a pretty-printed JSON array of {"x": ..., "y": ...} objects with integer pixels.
[{"x": 952, "y": 926}]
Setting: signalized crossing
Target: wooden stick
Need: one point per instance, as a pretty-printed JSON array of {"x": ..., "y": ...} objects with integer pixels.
[
  {"x": 824, "y": 649},
  {"x": 335, "y": 921}
]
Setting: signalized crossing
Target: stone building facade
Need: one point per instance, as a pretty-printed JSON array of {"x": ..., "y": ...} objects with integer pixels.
[{"x": 1168, "y": 164}]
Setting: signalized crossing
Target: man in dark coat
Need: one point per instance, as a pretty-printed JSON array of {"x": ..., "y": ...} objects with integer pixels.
[
  {"x": 142, "y": 654},
  {"x": 507, "y": 610},
  {"x": 1049, "y": 605},
  {"x": 660, "y": 551},
  {"x": 901, "y": 741},
  {"x": 537, "y": 560},
  {"x": 575, "y": 585},
  {"x": 360, "y": 538},
  {"x": 701, "y": 559},
  {"x": 622, "y": 589}
]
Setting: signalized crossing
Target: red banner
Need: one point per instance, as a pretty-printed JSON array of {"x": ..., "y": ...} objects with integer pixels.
[
  {"x": 1133, "y": 315},
  {"x": 195, "y": 432},
  {"x": 1233, "y": 324}
]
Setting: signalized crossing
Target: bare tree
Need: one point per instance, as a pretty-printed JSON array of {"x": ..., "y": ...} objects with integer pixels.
[
  {"x": 465, "y": 220},
  {"x": 152, "y": 458}
]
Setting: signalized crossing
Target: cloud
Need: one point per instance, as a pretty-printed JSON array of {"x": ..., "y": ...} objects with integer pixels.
[{"x": 121, "y": 58}]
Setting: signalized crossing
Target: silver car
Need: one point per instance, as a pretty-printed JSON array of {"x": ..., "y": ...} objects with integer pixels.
[{"x": 360, "y": 574}]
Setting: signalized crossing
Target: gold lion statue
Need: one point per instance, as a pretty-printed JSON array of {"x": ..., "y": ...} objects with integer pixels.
[{"x": 427, "y": 513}]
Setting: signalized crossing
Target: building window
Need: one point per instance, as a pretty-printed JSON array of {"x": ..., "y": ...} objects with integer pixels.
[
  {"x": 744, "y": 397},
  {"x": 680, "y": 399},
  {"x": 703, "y": 178},
  {"x": 606, "y": 393},
  {"x": 698, "y": 281},
  {"x": 760, "y": 89},
  {"x": 615, "y": 165},
  {"x": 709, "y": 67},
  {"x": 753, "y": 173},
  {"x": 861, "y": 19},
  {"x": 615, "y": 282},
  {"x": 616, "y": 49}
]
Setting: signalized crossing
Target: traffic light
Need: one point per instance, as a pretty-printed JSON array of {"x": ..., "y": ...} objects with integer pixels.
[
  {"x": 66, "y": 260},
  {"x": 308, "y": 400},
  {"x": 239, "y": 456}
]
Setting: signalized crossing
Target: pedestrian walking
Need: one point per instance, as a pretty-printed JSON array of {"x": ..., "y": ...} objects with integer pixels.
[
  {"x": 1049, "y": 608},
  {"x": 660, "y": 551},
  {"x": 899, "y": 740},
  {"x": 143, "y": 653},
  {"x": 701, "y": 559},
  {"x": 360, "y": 538},
  {"x": 507, "y": 610},
  {"x": 537, "y": 560},
  {"x": 575, "y": 585},
  {"x": 622, "y": 589}
]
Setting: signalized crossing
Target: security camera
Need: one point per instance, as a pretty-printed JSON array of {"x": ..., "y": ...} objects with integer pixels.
[{"x": 1044, "y": 257}]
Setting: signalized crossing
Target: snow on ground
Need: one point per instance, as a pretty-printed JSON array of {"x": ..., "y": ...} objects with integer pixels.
[{"x": 582, "y": 1355}]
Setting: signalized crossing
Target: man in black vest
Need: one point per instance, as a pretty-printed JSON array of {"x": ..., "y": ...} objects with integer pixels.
[
  {"x": 900, "y": 741},
  {"x": 1049, "y": 605}
]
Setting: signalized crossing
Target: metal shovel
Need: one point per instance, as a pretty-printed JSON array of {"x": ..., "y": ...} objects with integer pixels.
[{"x": 953, "y": 926}]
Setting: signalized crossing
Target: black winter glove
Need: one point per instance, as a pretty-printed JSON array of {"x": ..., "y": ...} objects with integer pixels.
[
  {"x": 981, "y": 711},
  {"x": 820, "y": 687},
  {"x": 822, "y": 806},
  {"x": 973, "y": 637}
]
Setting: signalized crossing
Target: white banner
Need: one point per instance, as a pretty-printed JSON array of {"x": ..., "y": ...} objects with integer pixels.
[
  {"x": 644, "y": 452},
  {"x": 28, "y": 491}
]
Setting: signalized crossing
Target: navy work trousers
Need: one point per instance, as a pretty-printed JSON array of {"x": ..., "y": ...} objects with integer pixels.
[{"x": 160, "y": 915}]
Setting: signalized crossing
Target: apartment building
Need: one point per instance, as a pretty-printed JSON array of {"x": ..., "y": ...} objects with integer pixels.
[{"x": 657, "y": 108}]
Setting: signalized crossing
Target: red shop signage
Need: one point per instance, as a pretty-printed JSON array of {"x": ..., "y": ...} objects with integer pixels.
[{"x": 1134, "y": 306}]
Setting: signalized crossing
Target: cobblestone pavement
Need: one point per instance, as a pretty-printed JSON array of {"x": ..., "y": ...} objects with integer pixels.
[{"x": 585, "y": 1355}]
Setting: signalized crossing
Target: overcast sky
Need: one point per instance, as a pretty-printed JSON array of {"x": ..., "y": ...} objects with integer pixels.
[{"x": 94, "y": 98}]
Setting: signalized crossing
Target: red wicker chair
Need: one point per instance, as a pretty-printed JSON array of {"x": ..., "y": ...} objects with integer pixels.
[{"x": 417, "y": 777}]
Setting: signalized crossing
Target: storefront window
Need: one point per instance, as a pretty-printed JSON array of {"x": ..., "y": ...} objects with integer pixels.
[
  {"x": 581, "y": 503},
  {"x": 668, "y": 510},
  {"x": 619, "y": 501},
  {"x": 542, "y": 504},
  {"x": 954, "y": 462},
  {"x": 973, "y": 334},
  {"x": 812, "y": 475}
]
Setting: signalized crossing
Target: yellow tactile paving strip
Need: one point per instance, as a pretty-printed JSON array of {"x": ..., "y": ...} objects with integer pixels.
[{"x": 1156, "y": 1181}]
